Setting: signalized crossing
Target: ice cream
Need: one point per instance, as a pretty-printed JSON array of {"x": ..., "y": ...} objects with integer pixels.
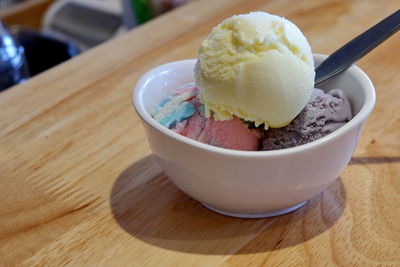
[
  {"x": 254, "y": 89},
  {"x": 181, "y": 111},
  {"x": 175, "y": 106},
  {"x": 323, "y": 114},
  {"x": 258, "y": 67}
]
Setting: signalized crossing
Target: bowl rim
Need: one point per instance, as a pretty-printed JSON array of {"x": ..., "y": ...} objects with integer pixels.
[{"x": 358, "y": 119}]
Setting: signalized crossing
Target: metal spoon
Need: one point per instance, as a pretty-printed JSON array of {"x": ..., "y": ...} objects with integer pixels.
[{"x": 357, "y": 48}]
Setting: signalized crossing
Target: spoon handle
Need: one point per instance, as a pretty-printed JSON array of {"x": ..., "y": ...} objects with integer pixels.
[{"x": 357, "y": 48}]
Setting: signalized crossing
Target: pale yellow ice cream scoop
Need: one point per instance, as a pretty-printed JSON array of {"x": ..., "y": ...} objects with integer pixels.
[{"x": 256, "y": 66}]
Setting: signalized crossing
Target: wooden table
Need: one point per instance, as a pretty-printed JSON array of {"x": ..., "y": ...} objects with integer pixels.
[{"x": 79, "y": 185}]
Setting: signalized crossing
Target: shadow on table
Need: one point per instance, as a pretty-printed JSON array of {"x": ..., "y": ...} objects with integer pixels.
[{"x": 149, "y": 207}]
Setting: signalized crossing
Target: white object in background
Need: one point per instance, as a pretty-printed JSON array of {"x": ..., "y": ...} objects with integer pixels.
[
  {"x": 85, "y": 22},
  {"x": 251, "y": 184}
]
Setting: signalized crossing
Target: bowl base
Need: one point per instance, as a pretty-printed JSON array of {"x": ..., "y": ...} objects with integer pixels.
[{"x": 255, "y": 215}]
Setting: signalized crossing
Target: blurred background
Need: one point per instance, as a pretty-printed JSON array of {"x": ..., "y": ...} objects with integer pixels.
[{"x": 36, "y": 35}]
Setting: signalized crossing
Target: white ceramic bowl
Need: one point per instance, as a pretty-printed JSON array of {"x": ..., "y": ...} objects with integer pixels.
[{"x": 251, "y": 184}]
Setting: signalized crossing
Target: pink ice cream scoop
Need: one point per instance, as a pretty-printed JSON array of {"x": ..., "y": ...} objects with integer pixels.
[
  {"x": 189, "y": 120},
  {"x": 232, "y": 134}
]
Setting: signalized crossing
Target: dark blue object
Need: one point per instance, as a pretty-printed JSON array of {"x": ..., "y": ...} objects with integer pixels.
[
  {"x": 13, "y": 68},
  {"x": 43, "y": 51},
  {"x": 357, "y": 48}
]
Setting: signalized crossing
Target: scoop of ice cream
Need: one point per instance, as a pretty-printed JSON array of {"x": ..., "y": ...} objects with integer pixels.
[
  {"x": 323, "y": 114},
  {"x": 181, "y": 111},
  {"x": 231, "y": 134},
  {"x": 258, "y": 67}
]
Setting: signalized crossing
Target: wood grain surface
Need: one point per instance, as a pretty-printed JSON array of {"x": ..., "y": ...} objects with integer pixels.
[
  {"x": 79, "y": 186},
  {"x": 29, "y": 13}
]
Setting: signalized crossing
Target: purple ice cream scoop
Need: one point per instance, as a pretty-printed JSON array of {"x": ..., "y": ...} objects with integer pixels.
[{"x": 323, "y": 114}]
